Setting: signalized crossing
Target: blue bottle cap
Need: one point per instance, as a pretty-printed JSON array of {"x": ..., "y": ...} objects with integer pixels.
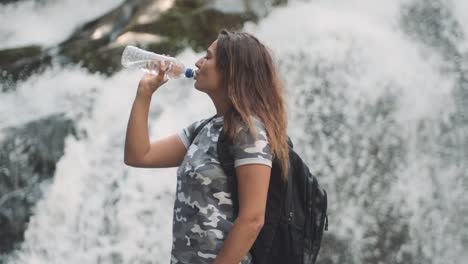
[{"x": 189, "y": 73}]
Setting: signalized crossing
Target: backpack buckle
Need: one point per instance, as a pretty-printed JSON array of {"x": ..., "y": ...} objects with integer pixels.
[{"x": 290, "y": 216}]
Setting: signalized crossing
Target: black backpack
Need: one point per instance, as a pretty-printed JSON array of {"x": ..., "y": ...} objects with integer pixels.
[{"x": 296, "y": 211}]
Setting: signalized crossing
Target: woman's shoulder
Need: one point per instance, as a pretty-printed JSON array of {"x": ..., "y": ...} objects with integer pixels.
[
  {"x": 256, "y": 130},
  {"x": 256, "y": 122}
]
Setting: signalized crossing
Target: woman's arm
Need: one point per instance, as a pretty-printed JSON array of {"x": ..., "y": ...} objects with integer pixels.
[
  {"x": 162, "y": 153},
  {"x": 253, "y": 181},
  {"x": 166, "y": 152},
  {"x": 137, "y": 142}
]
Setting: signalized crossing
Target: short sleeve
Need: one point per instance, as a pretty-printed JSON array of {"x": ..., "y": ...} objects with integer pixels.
[
  {"x": 248, "y": 149},
  {"x": 186, "y": 133}
]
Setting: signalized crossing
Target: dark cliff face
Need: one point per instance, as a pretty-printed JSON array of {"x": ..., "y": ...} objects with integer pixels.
[{"x": 28, "y": 156}]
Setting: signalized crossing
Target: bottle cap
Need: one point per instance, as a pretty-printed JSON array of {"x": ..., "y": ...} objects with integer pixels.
[{"x": 189, "y": 73}]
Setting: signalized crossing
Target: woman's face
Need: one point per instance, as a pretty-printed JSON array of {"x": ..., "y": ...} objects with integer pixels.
[{"x": 207, "y": 76}]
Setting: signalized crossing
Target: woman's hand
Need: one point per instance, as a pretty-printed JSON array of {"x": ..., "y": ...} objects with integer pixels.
[{"x": 149, "y": 83}]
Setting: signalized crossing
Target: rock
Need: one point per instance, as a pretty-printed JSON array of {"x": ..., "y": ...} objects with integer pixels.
[
  {"x": 89, "y": 44},
  {"x": 27, "y": 157},
  {"x": 5, "y": 2},
  {"x": 164, "y": 26},
  {"x": 19, "y": 63}
]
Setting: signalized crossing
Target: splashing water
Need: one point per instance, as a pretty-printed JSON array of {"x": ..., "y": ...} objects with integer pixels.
[
  {"x": 374, "y": 106},
  {"x": 33, "y": 22}
]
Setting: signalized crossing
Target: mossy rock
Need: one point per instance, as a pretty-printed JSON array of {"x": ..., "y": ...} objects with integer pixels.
[
  {"x": 195, "y": 28},
  {"x": 19, "y": 63},
  {"x": 28, "y": 156},
  {"x": 189, "y": 23},
  {"x": 8, "y": 56}
]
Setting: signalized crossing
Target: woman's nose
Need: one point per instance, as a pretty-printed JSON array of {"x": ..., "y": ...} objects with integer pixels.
[{"x": 199, "y": 63}]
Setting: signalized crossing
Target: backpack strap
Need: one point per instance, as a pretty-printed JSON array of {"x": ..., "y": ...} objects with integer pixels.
[
  {"x": 264, "y": 243},
  {"x": 199, "y": 128},
  {"x": 226, "y": 160}
]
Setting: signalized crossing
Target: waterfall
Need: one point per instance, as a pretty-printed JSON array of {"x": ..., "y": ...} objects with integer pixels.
[{"x": 377, "y": 104}]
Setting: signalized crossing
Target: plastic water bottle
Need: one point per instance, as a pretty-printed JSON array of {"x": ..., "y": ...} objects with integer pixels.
[{"x": 133, "y": 57}]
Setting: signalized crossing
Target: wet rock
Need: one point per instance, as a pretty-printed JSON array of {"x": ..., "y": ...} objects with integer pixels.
[
  {"x": 90, "y": 44},
  {"x": 27, "y": 158},
  {"x": 195, "y": 27},
  {"x": 19, "y": 63},
  {"x": 164, "y": 26},
  {"x": 5, "y": 2}
]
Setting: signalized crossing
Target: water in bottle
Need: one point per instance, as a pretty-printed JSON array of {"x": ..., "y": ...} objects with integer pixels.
[{"x": 133, "y": 57}]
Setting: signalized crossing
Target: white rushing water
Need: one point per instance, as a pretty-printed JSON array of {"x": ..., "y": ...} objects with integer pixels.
[
  {"x": 46, "y": 23},
  {"x": 342, "y": 62}
]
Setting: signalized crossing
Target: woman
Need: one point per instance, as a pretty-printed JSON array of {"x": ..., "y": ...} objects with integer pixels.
[{"x": 238, "y": 75}]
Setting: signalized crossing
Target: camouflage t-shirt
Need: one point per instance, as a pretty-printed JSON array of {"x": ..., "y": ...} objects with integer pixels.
[{"x": 203, "y": 212}]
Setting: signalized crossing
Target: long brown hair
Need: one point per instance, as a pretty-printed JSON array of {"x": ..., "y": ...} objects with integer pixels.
[{"x": 253, "y": 87}]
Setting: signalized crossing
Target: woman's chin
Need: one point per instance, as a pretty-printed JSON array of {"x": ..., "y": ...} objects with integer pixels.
[{"x": 196, "y": 85}]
